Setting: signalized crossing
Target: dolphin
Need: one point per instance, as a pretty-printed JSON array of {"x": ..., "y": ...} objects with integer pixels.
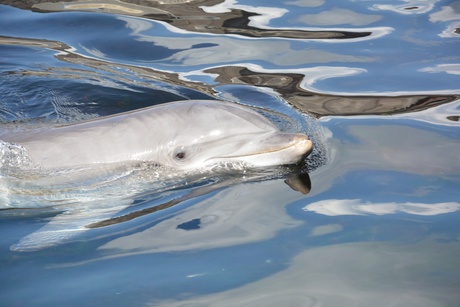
[{"x": 184, "y": 135}]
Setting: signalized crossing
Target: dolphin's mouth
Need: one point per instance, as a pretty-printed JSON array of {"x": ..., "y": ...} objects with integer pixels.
[{"x": 288, "y": 147}]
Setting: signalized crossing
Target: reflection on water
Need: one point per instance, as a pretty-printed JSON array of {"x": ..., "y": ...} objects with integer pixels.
[
  {"x": 219, "y": 17},
  {"x": 218, "y": 221},
  {"x": 297, "y": 89},
  {"x": 299, "y": 70},
  {"x": 356, "y": 207},
  {"x": 355, "y": 278},
  {"x": 378, "y": 223}
]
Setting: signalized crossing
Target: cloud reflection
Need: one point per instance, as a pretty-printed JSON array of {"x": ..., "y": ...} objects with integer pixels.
[
  {"x": 409, "y": 7},
  {"x": 447, "y": 13},
  {"x": 453, "y": 69},
  {"x": 306, "y": 3},
  {"x": 334, "y": 207},
  {"x": 218, "y": 51},
  {"x": 315, "y": 74},
  {"x": 338, "y": 16},
  {"x": 452, "y": 30},
  {"x": 261, "y": 19}
]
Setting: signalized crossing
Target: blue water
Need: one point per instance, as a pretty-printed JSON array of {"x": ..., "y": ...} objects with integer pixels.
[{"x": 375, "y": 84}]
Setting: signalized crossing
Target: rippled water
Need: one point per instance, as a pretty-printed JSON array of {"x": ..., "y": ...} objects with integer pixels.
[{"x": 373, "y": 223}]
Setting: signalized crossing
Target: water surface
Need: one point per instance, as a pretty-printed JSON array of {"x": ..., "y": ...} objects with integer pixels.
[{"x": 375, "y": 84}]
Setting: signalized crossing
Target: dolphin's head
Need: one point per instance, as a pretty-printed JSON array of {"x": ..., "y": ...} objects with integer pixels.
[{"x": 216, "y": 132}]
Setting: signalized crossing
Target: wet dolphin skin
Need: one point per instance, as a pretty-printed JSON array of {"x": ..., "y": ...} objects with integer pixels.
[{"x": 183, "y": 135}]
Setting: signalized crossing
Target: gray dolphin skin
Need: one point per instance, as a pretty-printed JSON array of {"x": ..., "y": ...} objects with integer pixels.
[{"x": 183, "y": 135}]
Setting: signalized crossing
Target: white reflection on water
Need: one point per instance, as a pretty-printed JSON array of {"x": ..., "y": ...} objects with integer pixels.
[
  {"x": 409, "y": 7},
  {"x": 337, "y": 16},
  {"x": 334, "y": 207},
  {"x": 451, "y": 30},
  {"x": 447, "y": 13},
  {"x": 318, "y": 73},
  {"x": 95, "y": 52},
  {"x": 224, "y": 50},
  {"x": 306, "y": 3},
  {"x": 261, "y": 20},
  {"x": 353, "y": 274},
  {"x": 453, "y": 69},
  {"x": 435, "y": 116}
]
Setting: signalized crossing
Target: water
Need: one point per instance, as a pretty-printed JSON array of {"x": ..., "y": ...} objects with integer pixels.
[{"x": 376, "y": 84}]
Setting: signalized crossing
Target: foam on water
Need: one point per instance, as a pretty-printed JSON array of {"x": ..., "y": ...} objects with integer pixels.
[{"x": 13, "y": 156}]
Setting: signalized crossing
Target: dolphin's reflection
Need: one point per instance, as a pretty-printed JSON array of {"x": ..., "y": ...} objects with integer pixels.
[
  {"x": 168, "y": 204},
  {"x": 228, "y": 216},
  {"x": 298, "y": 182}
]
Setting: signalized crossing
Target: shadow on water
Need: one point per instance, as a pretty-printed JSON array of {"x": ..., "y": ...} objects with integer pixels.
[{"x": 370, "y": 219}]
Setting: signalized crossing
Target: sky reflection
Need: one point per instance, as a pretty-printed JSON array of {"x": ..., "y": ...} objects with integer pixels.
[{"x": 365, "y": 274}]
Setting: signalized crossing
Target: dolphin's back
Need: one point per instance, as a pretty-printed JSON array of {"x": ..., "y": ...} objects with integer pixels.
[{"x": 124, "y": 137}]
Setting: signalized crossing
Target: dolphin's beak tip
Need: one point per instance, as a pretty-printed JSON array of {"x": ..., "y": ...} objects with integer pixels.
[{"x": 304, "y": 144}]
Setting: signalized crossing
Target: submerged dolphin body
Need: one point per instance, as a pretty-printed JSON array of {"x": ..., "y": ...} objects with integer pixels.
[
  {"x": 182, "y": 135},
  {"x": 187, "y": 136}
]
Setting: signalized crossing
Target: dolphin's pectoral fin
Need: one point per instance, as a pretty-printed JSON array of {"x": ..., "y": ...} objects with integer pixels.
[{"x": 63, "y": 228}]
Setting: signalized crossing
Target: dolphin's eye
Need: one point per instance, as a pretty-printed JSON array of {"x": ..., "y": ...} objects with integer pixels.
[{"x": 180, "y": 154}]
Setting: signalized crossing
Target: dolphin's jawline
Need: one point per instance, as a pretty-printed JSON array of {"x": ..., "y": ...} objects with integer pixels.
[{"x": 261, "y": 152}]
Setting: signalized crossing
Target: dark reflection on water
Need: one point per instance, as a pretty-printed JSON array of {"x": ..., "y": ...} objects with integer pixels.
[
  {"x": 289, "y": 86},
  {"x": 180, "y": 13},
  {"x": 375, "y": 222}
]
